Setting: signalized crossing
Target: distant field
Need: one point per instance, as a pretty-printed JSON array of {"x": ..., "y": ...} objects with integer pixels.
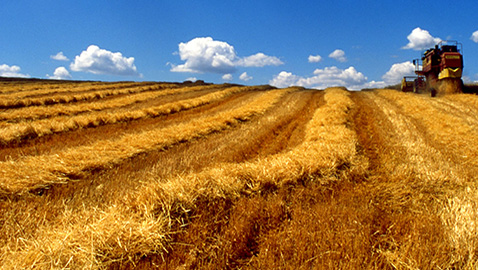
[{"x": 149, "y": 175}]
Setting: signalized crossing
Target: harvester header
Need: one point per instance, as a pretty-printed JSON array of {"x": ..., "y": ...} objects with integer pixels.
[{"x": 438, "y": 71}]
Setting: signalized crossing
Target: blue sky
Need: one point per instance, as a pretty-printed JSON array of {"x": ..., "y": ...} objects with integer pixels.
[{"x": 310, "y": 43}]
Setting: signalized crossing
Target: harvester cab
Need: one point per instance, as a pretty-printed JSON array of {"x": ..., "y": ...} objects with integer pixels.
[{"x": 440, "y": 68}]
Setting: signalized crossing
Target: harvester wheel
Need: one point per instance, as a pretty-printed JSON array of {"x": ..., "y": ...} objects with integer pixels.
[{"x": 433, "y": 92}]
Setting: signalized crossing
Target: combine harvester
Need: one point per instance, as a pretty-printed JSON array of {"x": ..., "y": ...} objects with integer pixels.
[{"x": 438, "y": 72}]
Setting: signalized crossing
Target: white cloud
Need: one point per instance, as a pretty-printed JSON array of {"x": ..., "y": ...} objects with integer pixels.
[
  {"x": 59, "y": 56},
  {"x": 245, "y": 77},
  {"x": 284, "y": 79},
  {"x": 100, "y": 61},
  {"x": 323, "y": 78},
  {"x": 259, "y": 60},
  {"x": 374, "y": 84},
  {"x": 192, "y": 79},
  {"x": 395, "y": 74},
  {"x": 227, "y": 77},
  {"x": 60, "y": 73},
  {"x": 420, "y": 39},
  {"x": 338, "y": 55},
  {"x": 474, "y": 36},
  {"x": 203, "y": 54},
  {"x": 206, "y": 55},
  {"x": 315, "y": 58},
  {"x": 11, "y": 71}
]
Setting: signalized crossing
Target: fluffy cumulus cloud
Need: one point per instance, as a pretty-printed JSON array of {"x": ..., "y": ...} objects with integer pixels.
[
  {"x": 205, "y": 55},
  {"x": 60, "y": 73},
  {"x": 314, "y": 58},
  {"x": 284, "y": 79},
  {"x": 259, "y": 60},
  {"x": 474, "y": 36},
  {"x": 100, "y": 61},
  {"x": 420, "y": 39},
  {"x": 323, "y": 78},
  {"x": 397, "y": 71},
  {"x": 245, "y": 77},
  {"x": 11, "y": 71},
  {"x": 227, "y": 77},
  {"x": 338, "y": 55},
  {"x": 59, "y": 57},
  {"x": 374, "y": 84}
]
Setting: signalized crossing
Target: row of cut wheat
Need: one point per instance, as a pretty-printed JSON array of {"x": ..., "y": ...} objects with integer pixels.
[
  {"x": 15, "y": 102},
  {"x": 36, "y": 89},
  {"x": 440, "y": 159},
  {"x": 7, "y": 87},
  {"x": 38, "y": 112},
  {"x": 33, "y": 172},
  {"x": 445, "y": 123},
  {"x": 142, "y": 222},
  {"x": 14, "y": 90},
  {"x": 329, "y": 144},
  {"x": 20, "y": 131}
]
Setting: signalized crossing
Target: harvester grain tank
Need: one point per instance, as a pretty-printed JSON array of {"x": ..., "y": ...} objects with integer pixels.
[{"x": 438, "y": 72}]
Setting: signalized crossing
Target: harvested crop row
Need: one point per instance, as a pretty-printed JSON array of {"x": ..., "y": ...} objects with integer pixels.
[
  {"x": 420, "y": 157},
  {"x": 38, "y": 112},
  {"x": 280, "y": 129},
  {"x": 426, "y": 164},
  {"x": 37, "y": 90},
  {"x": 21, "y": 131},
  {"x": 86, "y": 136},
  {"x": 14, "y": 102},
  {"x": 27, "y": 86},
  {"x": 465, "y": 112},
  {"x": 39, "y": 171},
  {"x": 329, "y": 144},
  {"x": 443, "y": 126}
]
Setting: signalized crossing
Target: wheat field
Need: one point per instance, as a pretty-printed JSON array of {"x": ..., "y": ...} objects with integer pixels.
[{"x": 127, "y": 175}]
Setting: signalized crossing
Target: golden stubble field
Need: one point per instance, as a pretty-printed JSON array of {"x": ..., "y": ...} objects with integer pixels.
[{"x": 124, "y": 175}]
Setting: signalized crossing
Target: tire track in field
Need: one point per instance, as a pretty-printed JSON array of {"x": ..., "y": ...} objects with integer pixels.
[
  {"x": 60, "y": 141},
  {"x": 289, "y": 129},
  {"x": 374, "y": 131}
]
